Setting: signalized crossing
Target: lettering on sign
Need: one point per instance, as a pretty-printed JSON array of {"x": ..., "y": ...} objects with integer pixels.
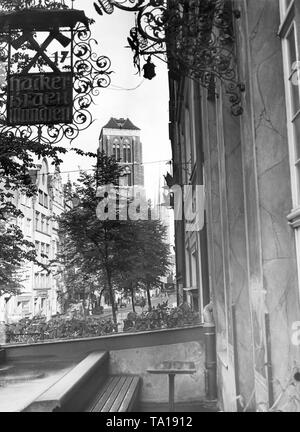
[{"x": 40, "y": 99}]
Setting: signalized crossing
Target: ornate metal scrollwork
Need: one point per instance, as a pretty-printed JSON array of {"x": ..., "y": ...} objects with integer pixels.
[
  {"x": 90, "y": 74},
  {"x": 195, "y": 37}
]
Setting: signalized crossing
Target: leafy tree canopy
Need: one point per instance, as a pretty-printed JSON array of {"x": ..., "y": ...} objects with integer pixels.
[{"x": 121, "y": 252}]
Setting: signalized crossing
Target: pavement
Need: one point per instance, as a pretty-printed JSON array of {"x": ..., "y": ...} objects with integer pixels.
[{"x": 22, "y": 382}]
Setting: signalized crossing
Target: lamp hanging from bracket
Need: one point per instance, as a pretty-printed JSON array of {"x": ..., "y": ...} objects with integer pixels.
[{"x": 195, "y": 38}]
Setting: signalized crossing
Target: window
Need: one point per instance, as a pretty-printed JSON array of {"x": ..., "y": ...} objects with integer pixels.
[
  {"x": 48, "y": 251},
  {"x": 118, "y": 153},
  {"x": 37, "y": 280},
  {"x": 28, "y": 227},
  {"x": 43, "y": 223},
  {"x": 45, "y": 200},
  {"x": 47, "y": 226},
  {"x": 26, "y": 307},
  {"x": 128, "y": 153},
  {"x": 129, "y": 176},
  {"x": 37, "y": 248},
  {"x": 289, "y": 31},
  {"x": 37, "y": 220},
  {"x": 41, "y": 197}
]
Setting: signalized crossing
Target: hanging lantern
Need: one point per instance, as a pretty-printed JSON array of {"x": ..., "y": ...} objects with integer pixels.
[{"x": 149, "y": 69}]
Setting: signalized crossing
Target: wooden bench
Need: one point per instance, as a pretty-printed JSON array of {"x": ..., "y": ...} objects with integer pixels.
[
  {"x": 119, "y": 394},
  {"x": 73, "y": 392}
]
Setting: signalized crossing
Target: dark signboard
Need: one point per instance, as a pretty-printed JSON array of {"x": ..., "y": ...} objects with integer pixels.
[{"x": 40, "y": 98}]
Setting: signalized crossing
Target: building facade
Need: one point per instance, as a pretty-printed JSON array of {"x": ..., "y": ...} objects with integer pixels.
[
  {"x": 41, "y": 289},
  {"x": 121, "y": 138},
  {"x": 247, "y": 255}
]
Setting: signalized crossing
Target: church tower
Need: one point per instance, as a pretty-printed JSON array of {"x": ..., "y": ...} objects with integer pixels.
[{"x": 121, "y": 138}]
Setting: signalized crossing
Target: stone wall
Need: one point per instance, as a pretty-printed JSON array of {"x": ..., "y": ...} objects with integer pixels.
[{"x": 252, "y": 247}]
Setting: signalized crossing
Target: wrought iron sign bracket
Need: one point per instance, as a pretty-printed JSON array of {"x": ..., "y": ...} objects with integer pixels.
[
  {"x": 195, "y": 38},
  {"x": 46, "y": 96}
]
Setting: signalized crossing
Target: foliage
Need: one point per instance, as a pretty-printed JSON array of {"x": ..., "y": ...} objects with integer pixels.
[
  {"x": 17, "y": 165},
  {"x": 92, "y": 247},
  {"x": 150, "y": 255},
  {"x": 17, "y": 169},
  {"x": 16, "y": 5},
  {"x": 117, "y": 253},
  {"x": 37, "y": 329},
  {"x": 161, "y": 317},
  {"x": 59, "y": 327}
]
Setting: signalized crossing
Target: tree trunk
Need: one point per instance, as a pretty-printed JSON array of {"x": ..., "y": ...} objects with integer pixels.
[
  {"x": 148, "y": 296},
  {"x": 112, "y": 298},
  {"x": 132, "y": 298},
  {"x": 84, "y": 303},
  {"x": 100, "y": 297}
]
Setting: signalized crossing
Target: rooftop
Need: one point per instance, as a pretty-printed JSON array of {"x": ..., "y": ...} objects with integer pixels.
[{"x": 124, "y": 124}]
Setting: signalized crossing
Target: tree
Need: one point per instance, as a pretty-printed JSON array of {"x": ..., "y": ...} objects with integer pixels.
[
  {"x": 17, "y": 156},
  {"x": 15, "y": 5},
  {"x": 150, "y": 256},
  {"x": 93, "y": 246},
  {"x": 154, "y": 256},
  {"x": 16, "y": 161}
]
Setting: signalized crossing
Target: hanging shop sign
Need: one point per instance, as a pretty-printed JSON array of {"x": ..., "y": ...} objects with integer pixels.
[
  {"x": 40, "y": 98},
  {"x": 50, "y": 72}
]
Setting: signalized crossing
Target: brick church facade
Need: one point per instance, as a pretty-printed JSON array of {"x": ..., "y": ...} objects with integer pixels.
[{"x": 121, "y": 138}]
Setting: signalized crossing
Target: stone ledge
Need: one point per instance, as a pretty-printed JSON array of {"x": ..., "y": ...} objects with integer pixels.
[
  {"x": 66, "y": 387},
  {"x": 77, "y": 348}
]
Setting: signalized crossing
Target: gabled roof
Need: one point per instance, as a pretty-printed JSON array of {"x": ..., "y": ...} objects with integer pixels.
[{"x": 121, "y": 123}]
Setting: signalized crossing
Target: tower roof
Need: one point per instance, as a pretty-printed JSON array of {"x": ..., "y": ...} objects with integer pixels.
[{"x": 121, "y": 123}]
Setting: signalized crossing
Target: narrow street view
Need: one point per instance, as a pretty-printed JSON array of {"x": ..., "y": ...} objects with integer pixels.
[{"x": 149, "y": 206}]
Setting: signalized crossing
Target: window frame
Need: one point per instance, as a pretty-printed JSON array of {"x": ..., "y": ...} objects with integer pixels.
[{"x": 290, "y": 18}]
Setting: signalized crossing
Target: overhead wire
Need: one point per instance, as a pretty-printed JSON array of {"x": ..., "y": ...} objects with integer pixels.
[{"x": 167, "y": 161}]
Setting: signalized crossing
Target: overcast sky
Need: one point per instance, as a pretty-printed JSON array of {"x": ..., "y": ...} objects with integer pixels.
[{"x": 146, "y": 106}]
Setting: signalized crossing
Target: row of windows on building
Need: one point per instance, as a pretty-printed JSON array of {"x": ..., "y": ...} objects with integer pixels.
[
  {"x": 42, "y": 281},
  {"x": 43, "y": 199},
  {"x": 42, "y": 250},
  {"x": 42, "y": 223},
  {"x": 58, "y": 196},
  {"x": 122, "y": 154},
  {"x": 25, "y": 225}
]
